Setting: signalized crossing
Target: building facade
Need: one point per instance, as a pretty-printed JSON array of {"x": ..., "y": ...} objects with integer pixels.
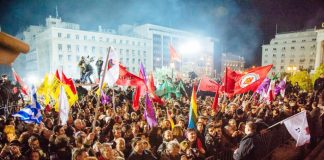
[
  {"x": 60, "y": 45},
  {"x": 289, "y": 52},
  {"x": 196, "y": 52},
  {"x": 232, "y": 61}
]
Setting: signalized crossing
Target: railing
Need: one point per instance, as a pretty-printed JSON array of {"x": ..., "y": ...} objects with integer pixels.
[{"x": 264, "y": 145}]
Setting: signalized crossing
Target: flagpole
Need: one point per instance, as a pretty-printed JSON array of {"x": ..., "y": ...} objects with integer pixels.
[
  {"x": 100, "y": 85},
  {"x": 113, "y": 100}
]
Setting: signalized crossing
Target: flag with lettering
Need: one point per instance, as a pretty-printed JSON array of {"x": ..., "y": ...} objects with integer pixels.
[
  {"x": 207, "y": 84},
  {"x": 297, "y": 126}
]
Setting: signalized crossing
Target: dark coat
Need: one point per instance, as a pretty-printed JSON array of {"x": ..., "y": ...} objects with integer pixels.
[
  {"x": 145, "y": 156},
  {"x": 246, "y": 148}
]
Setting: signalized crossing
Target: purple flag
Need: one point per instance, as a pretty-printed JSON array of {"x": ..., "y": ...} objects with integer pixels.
[
  {"x": 264, "y": 86},
  {"x": 104, "y": 98},
  {"x": 281, "y": 87},
  {"x": 149, "y": 112}
]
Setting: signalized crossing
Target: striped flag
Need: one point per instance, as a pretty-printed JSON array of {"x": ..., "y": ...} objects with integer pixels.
[
  {"x": 31, "y": 113},
  {"x": 193, "y": 112}
]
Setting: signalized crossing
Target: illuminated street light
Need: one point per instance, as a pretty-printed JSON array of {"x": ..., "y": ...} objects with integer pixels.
[{"x": 190, "y": 47}]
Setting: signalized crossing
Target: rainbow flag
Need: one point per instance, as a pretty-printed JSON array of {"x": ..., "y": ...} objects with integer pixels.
[{"x": 193, "y": 112}]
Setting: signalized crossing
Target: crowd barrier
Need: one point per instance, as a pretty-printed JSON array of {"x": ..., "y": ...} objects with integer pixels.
[{"x": 264, "y": 145}]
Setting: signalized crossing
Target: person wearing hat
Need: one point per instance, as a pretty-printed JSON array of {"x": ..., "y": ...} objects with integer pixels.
[
  {"x": 12, "y": 151},
  {"x": 139, "y": 152}
]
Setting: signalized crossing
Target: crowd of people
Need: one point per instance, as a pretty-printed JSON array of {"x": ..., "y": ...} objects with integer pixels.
[{"x": 122, "y": 133}]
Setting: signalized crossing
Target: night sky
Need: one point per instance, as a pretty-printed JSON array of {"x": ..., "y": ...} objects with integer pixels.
[{"x": 242, "y": 26}]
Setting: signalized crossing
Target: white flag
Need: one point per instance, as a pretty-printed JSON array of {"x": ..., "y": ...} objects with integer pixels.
[
  {"x": 297, "y": 126},
  {"x": 110, "y": 69},
  {"x": 63, "y": 106}
]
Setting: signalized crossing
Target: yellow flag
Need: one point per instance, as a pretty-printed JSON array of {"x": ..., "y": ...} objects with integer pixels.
[
  {"x": 54, "y": 87},
  {"x": 72, "y": 98},
  {"x": 103, "y": 86}
]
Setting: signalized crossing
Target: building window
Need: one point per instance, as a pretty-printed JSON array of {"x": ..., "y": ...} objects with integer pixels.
[
  {"x": 114, "y": 41},
  {"x": 302, "y": 47},
  {"x": 59, "y": 35},
  {"x": 282, "y": 55},
  {"x": 133, "y": 43},
  {"x": 311, "y": 60},
  {"x": 144, "y": 44},
  {"x": 120, "y": 59},
  {"x": 282, "y": 61},
  {"x": 127, "y": 52},
  {"x": 68, "y": 36},
  {"x": 107, "y": 39},
  {"x": 93, "y": 38},
  {"x": 69, "y": 47},
  {"x": 281, "y": 67},
  {"x": 292, "y": 47},
  {"x": 144, "y": 61},
  {"x": 77, "y": 48},
  {"x": 127, "y": 41},
  {"x": 303, "y": 40},
  {"x": 138, "y": 61},
  {"x": 266, "y": 49},
  {"x": 127, "y": 60},
  {"x": 85, "y": 38},
  {"x": 121, "y": 51},
  {"x": 59, "y": 47},
  {"x": 93, "y": 50},
  {"x": 133, "y": 69},
  {"x": 302, "y": 60},
  {"x": 60, "y": 57},
  {"x": 293, "y": 41},
  {"x": 285, "y": 42},
  {"x": 144, "y": 53},
  {"x": 138, "y": 43},
  {"x": 275, "y": 42},
  {"x": 283, "y": 48},
  {"x": 85, "y": 48},
  {"x": 133, "y": 53},
  {"x": 69, "y": 57},
  {"x": 121, "y": 42},
  {"x": 77, "y": 37},
  {"x": 133, "y": 60},
  {"x": 274, "y": 55},
  {"x": 274, "y": 49},
  {"x": 314, "y": 39},
  {"x": 100, "y": 39},
  {"x": 138, "y": 53}
]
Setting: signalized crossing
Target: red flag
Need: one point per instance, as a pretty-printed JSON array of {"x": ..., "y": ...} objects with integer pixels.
[
  {"x": 24, "y": 87},
  {"x": 252, "y": 79},
  {"x": 57, "y": 75},
  {"x": 151, "y": 89},
  {"x": 207, "y": 84},
  {"x": 173, "y": 54},
  {"x": 69, "y": 82},
  {"x": 229, "y": 80},
  {"x": 136, "y": 98},
  {"x": 128, "y": 79}
]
